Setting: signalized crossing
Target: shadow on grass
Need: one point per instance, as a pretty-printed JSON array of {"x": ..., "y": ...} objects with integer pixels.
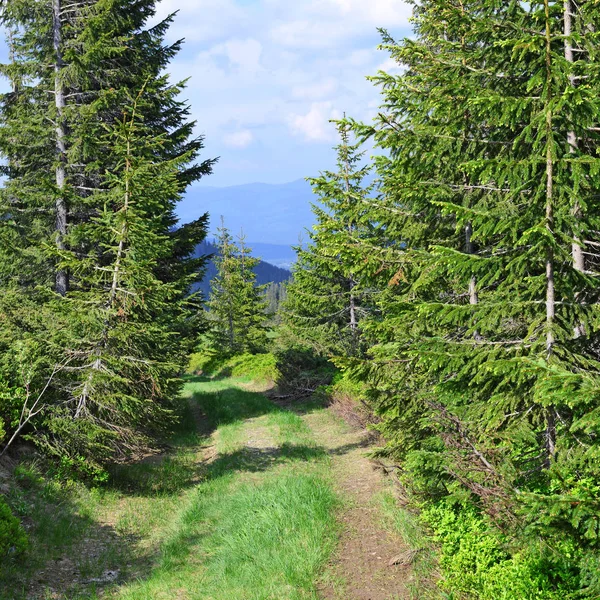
[
  {"x": 182, "y": 468},
  {"x": 262, "y": 459},
  {"x": 74, "y": 551},
  {"x": 71, "y": 555},
  {"x": 225, "y": 406}
]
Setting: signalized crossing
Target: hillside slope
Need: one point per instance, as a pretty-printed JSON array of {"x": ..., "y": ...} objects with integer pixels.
[{"x": 265, "y": 272}]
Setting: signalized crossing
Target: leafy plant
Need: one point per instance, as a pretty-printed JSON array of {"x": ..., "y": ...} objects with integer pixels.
[{"x": 13, "y": 539}]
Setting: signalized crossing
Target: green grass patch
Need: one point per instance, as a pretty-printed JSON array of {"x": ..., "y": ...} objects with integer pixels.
[
  {"x": 254, "y": 367},
  {"x": 248, "y": 540},
  {"x": 238, "y": 505},
  {"x": 260, "y": 526},
  {"x": 221, "y": 402}
]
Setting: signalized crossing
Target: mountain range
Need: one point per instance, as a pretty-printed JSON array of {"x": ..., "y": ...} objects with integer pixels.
[
  {"x": 265, "y": 272},
  {"x": 268, "y": 214}
]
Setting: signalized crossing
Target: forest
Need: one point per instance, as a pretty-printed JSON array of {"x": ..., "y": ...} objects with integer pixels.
[{"x": 447, "y": 298}]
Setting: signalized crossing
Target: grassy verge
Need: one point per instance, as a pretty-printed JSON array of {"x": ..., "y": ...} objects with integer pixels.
[
  {"x": 241, "y": 507},
  {"x": 421, "y": 554},
  {"x": 81, "y": 537}
]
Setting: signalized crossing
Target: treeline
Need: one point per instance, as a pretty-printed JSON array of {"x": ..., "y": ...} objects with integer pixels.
[
  {"x": 462, "y": 288},
  {"x": 96, "y": 317},
  {"x": 266, "y": 273}
]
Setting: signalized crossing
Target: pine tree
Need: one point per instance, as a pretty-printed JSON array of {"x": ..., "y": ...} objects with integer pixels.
[
  {"x": 275, "y": 295},
  {"x": 237, "y": 307},
  {"x": 92, "y": 112},
  {"x": 327, "y": 299},
  {"x": 72, "y": 69},
  {"x": 487, "y": 361}
]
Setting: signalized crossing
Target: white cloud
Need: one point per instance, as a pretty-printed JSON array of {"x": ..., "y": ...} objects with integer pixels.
[
  {"x": 390, "y": 66},
  {"x": 282, "y": 68},
  {"x": 244, "y": 54},
  {"x": 202, "y": 20},
  {"x": 305, "y": 33},
  {"x": 329, "y": 23},
  {"x": 315, "y": 125},
  {"x": 239, "y": 139},
  {"x": 381, "y": 13},
  {"x": 316, "y": 90}
]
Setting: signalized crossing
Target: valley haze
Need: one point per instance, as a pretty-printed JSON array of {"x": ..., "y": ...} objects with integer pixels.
[{"x": 273, "y": 217}]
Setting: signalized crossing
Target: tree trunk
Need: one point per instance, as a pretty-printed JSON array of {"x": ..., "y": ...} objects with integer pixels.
[
  {"x": 577, "y": 249},
  {"x": 62, "y": 279},
  {"x": 473, "y": 296},
  {"x": 352, "y": 283},
  {"x": 550, "y": 287},
  {"x": 353, "y": 323}
]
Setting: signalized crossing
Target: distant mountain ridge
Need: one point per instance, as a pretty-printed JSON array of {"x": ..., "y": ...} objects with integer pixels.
[
  {"x": 269, "y": 214},
  {"x": 265, "y": 272},
  {"x": 274, "y": 254}
]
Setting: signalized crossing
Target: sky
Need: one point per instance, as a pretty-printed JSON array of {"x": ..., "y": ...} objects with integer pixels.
[{"x": 266, "y": 76}]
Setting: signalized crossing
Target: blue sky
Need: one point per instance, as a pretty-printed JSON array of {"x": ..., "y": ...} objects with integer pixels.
[{"x": 267, "y": 75}]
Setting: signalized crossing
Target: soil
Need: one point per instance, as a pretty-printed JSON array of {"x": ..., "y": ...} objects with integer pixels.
[{"x": 363, "y": 567}]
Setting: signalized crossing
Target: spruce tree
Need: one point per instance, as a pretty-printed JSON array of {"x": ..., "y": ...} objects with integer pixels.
[
  {"x": 91, "y": 109},
  {"x": 487, "y": 362},
  {"x": 327, "y": 300},
  {"x": 237, "y": 307}
]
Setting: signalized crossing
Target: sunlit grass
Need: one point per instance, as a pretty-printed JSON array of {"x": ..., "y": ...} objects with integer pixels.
[
  {"x": 241, "y": 506},
  {"x": 263, "y": 537}
]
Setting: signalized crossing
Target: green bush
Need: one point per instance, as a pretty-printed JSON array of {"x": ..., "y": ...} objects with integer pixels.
[
  {"x": 198, "y": 363},
  {"x": 301, "y": 368},
  {"x": 13, "y": 540},
  {"x": 258, "y": 367},
  {"x": 477, "y": 560},
  {"x": 345, "y": 385}
]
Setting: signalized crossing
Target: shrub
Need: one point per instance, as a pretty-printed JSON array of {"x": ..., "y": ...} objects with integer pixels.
[
  {"x": 345, "y": 385},
  {"x": 13, "y": 540},
  {"x": 198, "y": 363},
  {"x": 300, "y": 369},
  {"x": 478, "y": 561},
  {"x": 259, "y": 367}
]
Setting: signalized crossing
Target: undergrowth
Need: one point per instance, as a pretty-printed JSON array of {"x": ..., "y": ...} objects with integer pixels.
[
  {"x": 13, "y": 540},
  {"x": 256, "y": 367}
]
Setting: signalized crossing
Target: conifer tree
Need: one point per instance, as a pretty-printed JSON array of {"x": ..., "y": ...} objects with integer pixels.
[
  {"x": 237, "y": 307},
  {"x": 327, "y": 299},
  {"x": 487, "y": 361},
  {"x": 68, "y": 164}
]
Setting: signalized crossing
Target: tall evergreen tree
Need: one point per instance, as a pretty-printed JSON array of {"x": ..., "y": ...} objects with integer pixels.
[
  {"x": 237, "y": 307},
  {"x": 487, "y": 362},
  {"x": 90, "y": 114},
  {"x": 327, "y": 299}
]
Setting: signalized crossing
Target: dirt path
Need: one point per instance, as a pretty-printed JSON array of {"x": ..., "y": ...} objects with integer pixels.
[
  {"x": 361, "y": 568},
  {"x": 141, "y": 538}
]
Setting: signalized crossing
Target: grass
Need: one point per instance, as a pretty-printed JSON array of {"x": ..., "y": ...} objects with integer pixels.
[
  {"x": 241, "y": 507},
  {"x": 258, "y": 367},
  {"x": 399, "y": 520}
]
